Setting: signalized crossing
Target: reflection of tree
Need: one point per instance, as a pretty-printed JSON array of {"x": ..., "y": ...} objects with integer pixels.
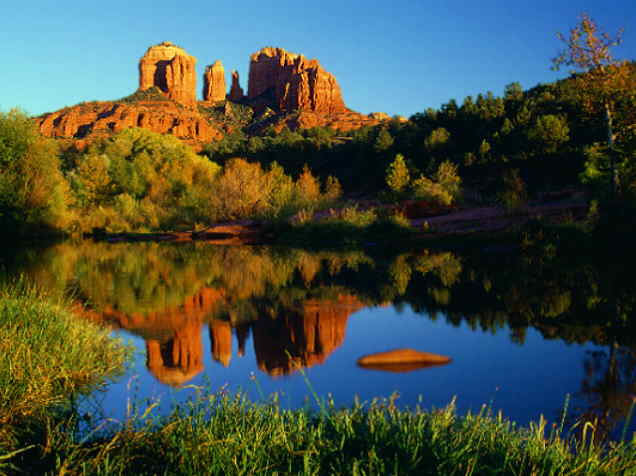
[{"x": 609, "y": 387}]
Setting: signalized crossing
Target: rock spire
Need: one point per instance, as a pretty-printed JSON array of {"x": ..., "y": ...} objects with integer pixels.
[
  {"x": 214, "y": 83},
  {"x": 236, "y": 91}
]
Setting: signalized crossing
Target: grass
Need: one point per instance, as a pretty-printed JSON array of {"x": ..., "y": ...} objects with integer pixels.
[
  {"x": 228, "y": 434},
  {"x": 47, "y": 355}
]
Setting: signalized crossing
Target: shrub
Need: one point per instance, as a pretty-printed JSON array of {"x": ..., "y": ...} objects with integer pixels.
[{"x": 514, "y": 195}]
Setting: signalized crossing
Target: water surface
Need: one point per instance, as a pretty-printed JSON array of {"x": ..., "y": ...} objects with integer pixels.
[{"x": 522, "y": 330}]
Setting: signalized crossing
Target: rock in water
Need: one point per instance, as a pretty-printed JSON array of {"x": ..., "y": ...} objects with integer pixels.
[
  {"x": 214, "y": 83},
  {"x": 172, "y": 70},
  {"x": 402, "y": 360},
  {"x": 289, "y": 82}
]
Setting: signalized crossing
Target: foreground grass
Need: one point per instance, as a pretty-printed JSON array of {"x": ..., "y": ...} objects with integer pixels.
[
  {"x": 228, "y": 434},
  {"x": 46, "y": 355}
]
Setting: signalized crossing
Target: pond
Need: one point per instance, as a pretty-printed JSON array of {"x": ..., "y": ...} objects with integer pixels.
[{"x": 523, "y": 331}]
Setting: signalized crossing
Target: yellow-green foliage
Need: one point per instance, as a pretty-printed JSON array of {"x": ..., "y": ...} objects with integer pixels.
[
  {"x": 444, "y": 188},
  {"x": 33, "y": 191},
  {"x": 244, "y": 189},
  {"x": 397, "y": 175},
  {"x": 138, "y": 179}
]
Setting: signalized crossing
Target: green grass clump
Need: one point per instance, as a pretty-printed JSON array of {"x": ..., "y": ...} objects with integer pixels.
[
  {"x": 47, "y": 353},
  {"x": 228, "y": 434}
]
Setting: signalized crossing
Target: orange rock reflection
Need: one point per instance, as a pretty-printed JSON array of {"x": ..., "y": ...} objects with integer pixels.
[
  {"x": 302, "y": 339},
  {"x": 173, "y": 336}
]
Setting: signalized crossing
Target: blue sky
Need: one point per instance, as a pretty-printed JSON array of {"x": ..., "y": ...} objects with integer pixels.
[{"x": 398, "y": 57}]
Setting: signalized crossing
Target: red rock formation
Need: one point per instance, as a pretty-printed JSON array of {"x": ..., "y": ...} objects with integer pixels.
[
  {"x": 172, "y": 70},
  {"x": 289, "y": 82},
  {"x": 214, "y": 83},
  {"x": 286, "y": 344},
  {"x": 91, "y": 120},
  {"x": 236, "y": 91}
]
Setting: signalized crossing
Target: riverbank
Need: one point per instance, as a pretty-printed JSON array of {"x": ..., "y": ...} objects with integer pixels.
[
  {"x": 47, "y": 356},
  {"x": 228, "y": 434},
  {"x": 361, "y": 224},
  {"x": 222, "y": 433}
]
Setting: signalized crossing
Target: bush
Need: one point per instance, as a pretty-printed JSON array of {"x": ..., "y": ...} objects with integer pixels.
[{"x": 34, "y": 195}]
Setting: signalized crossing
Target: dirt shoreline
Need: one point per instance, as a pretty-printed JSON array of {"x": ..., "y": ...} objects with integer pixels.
[{"x": 466, "y": 221}]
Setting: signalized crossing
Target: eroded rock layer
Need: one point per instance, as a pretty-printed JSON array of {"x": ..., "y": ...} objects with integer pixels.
[
  {"x": 289, "y": 81},
  {"x": 89, "y": 121}
]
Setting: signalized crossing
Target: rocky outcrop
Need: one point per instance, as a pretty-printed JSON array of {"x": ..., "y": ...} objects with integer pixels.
[
  {"x": 236, "y": 91},
  {"x": 172, "y": 70},
  {"x": 86, "y": 122},
  {"x": 288, "y": 81},
  {"x": 284, "y": 90},
  {"x": 214, "y": 83}
]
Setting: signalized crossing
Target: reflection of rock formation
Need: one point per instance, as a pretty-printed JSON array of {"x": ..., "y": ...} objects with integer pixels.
[
  {"x": 302, "y": 339},
  {"x": 178, "y": 359},
  {"x": 173, "y": 336},
  {"x": 221, "y": 341}
]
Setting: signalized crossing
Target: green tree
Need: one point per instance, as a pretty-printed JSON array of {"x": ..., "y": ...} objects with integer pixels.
[
  {"x": 383, "y": 141},
  {"x": 600, "y": 77},
  {"x": 549, "y": 132},
  {"x": 398, "y": 175}
]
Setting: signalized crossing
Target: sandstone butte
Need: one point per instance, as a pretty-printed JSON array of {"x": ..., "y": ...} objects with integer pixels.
[{"x": 299, "y": 91}]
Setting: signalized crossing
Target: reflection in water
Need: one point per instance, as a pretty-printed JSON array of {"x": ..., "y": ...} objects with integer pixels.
[
  {"x": 296, "y": 304},
  {"x": 303, "y": 337}
]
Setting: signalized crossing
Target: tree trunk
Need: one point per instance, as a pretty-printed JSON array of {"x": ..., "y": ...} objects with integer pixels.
[{"x": 610, "y": 146}]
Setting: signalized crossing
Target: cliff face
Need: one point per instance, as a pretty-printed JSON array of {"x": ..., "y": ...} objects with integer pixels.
[
  {"x": 214, "y": 83},
  {"x": 288, "y": 82},
  {"x": 172, "y": 70}
]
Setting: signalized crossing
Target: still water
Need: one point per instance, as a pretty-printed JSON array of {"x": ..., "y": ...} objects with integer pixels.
[{"x": 522, "y": 330}]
